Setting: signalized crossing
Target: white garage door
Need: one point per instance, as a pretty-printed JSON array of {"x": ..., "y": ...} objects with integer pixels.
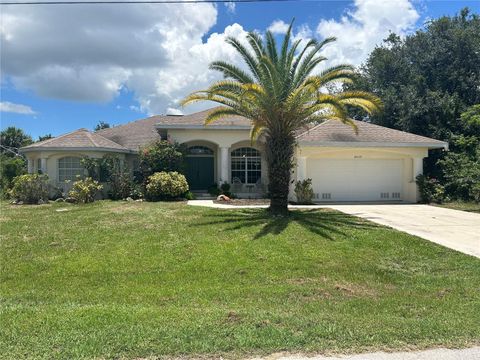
[{"x": 356, "y": 179}]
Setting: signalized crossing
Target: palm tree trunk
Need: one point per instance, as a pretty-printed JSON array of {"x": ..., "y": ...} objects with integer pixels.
[{"x": 279, "y": 154}]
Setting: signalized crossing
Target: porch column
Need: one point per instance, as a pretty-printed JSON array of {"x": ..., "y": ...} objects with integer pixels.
[
  {"x": 301, "y": 168},
  {"x": 30, "y": 165},
  {"x": 43, "y": 165},
  {"x": 224, "y": 165}
]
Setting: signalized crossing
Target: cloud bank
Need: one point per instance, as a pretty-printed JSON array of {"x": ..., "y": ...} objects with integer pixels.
[{"x": 158, "y": 51}]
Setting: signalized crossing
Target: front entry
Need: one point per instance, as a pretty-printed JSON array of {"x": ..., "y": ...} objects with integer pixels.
[{"x": 200, "y": 174}]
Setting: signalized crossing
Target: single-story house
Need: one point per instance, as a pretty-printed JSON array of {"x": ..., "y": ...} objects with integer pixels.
[{"x": 377, "y": 164}]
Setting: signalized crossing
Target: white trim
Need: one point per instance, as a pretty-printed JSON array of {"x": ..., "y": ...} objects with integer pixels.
[
  {"x": 365, "y": 144},
  {"x": 77, "y": 149}
]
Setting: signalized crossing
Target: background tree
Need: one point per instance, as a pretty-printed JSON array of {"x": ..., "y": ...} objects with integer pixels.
[
  {"x": 11, "y": 139},
  {"x": 428, "y": 79},
  {"x": 102, "y": 125},
  {"x": 280, "y": 94},
  {"x": 45, "y": 137}
]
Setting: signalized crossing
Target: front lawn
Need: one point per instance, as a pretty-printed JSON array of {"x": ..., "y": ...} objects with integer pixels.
[{"x": 127, "y": 280}]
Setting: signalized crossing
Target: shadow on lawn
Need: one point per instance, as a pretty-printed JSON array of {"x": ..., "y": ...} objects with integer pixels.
[{"x": 326, "y": 224}]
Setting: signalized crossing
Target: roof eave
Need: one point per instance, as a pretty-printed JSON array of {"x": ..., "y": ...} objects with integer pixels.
[
  {"x": 61, "y": 148},
  {"x": 430, "y": 145}
]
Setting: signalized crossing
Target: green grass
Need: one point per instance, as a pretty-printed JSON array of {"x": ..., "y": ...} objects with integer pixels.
[
  {"x": 127, "y": 280},
  {"x": 469, "y": 206}
]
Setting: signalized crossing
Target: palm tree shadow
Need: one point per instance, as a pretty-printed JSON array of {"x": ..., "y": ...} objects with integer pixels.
[{"x": 325, "y": 223}]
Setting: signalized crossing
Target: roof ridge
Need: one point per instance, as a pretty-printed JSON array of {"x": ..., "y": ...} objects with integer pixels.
[
  {"x": 90, "y": 137},
  {"x": 54, "y": 138}
]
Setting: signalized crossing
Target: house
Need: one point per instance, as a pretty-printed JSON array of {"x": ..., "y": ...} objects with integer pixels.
[{"x": 377, "y": 164}]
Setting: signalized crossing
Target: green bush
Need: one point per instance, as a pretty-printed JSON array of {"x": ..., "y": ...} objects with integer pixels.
[
  {"x": 160, "y": 156},
  {"x": 84, "y": 190},
  {"x": 475, "y": 192},
  {"x": 111, "y": 170},
  {"x": 430, "y": 189},
  {"x": 461, "y": 167},
  {"x": 190, "y": 196},
  {"x": 214, "y": 190},
  {"x": 30, "y": 188},
  {"x": 166, "y": 185},
  {"x": 304, "y": 191},
  {"x": 10, "y": 168}
]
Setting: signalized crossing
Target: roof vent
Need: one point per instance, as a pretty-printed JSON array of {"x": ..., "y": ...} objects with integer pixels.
[{"x": 174, "y": 112}]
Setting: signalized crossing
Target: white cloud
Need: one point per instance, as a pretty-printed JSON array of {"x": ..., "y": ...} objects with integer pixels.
[
  {"x": 157, "y": 51},
  {"x": 6, "y": 106},
  {"x": 230, "y": 7},
  {"x": 278, "y": 27},
  {"x": 85, "y": 54},
  {"x": 363, "y": 27}
]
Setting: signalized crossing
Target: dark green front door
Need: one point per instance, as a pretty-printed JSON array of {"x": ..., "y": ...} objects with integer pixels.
[{"x": 200, "y": 172}]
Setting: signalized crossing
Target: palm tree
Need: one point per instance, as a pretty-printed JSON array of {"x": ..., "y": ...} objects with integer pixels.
[{"x": 281, "y": 94}]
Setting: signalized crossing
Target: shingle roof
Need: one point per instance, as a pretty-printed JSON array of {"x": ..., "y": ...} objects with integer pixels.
[
  {"x": 135, "y": 134},
  {"x": 334, "y": 132},
  {"x": 139, "y": 133},
  {"x": 78, "y": 139},
  {"x": 198, "y": 119}
]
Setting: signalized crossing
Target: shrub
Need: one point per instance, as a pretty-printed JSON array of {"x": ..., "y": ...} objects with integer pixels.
[
  {"x": 166, "y": 185},
  {"x": 110, "y": 169},
  {"x": 430, "y": 189},
  {"x": 161, "y": 156},
  {"x": 304, "y": 191},
  {"x": 189, "y": 195},
  {"x": 475, "y": 192},
  {"x": 30, "y": 188},
  {"x": 84, "y": 190},
  {"x": 461, "y": 168},
  {"x": 225, "y": 190},
  {"x": 10, "y": 168},
  {"x": 214, "y": 190}
]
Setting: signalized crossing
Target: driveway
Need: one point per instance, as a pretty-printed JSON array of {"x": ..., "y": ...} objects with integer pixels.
[{"x": 458, "y": 230}]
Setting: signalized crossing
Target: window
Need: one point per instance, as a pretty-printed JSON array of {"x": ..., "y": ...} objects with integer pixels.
[
  {"x": 69, "y": 167},
  {"x": 246, "y": 165},
  {"x": 39, "y": 166},
  {"x": 199, "y": 150}
]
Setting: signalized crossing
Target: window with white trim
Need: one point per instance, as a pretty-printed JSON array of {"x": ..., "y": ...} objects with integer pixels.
[
  {"x": 69, "y": 168},
  {"x": 246, "y": 165},
  {"x": 39, "y": 166}
]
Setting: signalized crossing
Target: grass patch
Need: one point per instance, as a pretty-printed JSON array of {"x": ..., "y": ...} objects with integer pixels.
[
  {"x": 127, "y": 280},
  {"x": 469, "y": 206}
]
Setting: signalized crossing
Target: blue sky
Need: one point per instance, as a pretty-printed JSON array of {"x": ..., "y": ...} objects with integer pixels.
[{"x": 64, "y": 69}]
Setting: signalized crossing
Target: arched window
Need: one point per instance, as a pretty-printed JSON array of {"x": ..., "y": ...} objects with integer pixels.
[
  {"x": 246, "y": 165},
  {"x": 199, "y": 150},
  {"x": 69, "y": 168}
]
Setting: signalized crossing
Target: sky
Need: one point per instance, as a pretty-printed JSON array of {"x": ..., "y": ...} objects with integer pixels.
[{"x": 69, "y": 67}]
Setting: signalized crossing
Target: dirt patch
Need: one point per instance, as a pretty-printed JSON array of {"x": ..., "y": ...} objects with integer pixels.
[{"x": 354, "y": 290}]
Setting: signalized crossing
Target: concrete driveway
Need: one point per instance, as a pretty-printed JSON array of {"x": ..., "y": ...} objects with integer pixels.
[{"x": 458, "y": 230}]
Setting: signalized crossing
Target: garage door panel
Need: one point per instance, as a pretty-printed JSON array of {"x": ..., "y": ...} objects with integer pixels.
[{"x": 356, "y": 179}]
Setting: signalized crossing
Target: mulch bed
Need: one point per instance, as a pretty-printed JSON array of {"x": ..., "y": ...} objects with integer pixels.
[{"x": 243, "y": 202}]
